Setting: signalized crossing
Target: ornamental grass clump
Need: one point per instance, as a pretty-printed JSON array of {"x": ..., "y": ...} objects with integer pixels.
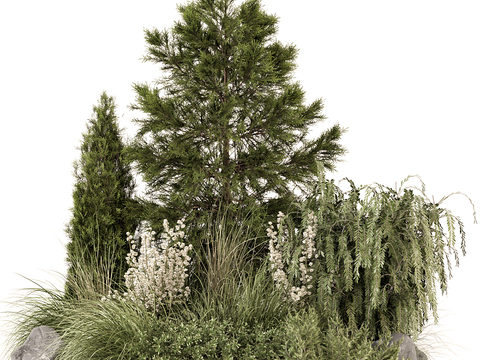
[
  {"x": 296, "y": 293},
  {"x": 157, "y": 278}
]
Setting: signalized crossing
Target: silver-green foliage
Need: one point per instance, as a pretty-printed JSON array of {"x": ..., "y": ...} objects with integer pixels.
[{"x": 380, "y": 255}]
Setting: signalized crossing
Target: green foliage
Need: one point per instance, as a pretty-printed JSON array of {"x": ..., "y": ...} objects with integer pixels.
[
  {"x": 248, "y": 321},
  {"x": 310, "y": 336},
  {"x": 101, "y": 196},
  {"x": 380, "y": 257},
  {"x": 229, "y": 91},
  {"x": 225, "y": 121},
  {"x": 211, "y": 339},
  {"x": 302, "y": 337}
]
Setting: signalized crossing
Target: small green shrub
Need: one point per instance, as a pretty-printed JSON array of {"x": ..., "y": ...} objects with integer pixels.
[
  {"x": 211, "y": 339},
  {"x": 311, "y": 336}
]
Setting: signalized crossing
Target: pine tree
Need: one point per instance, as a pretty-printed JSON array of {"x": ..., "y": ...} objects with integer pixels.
[
  {"x": 101, "y": 198},
  {"x": 225, "y": 122}
]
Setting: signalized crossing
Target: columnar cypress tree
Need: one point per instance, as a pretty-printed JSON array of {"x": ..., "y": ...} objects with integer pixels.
[
  {"x": 224, "y": 125},
  {"x": 101, "y": 198}
]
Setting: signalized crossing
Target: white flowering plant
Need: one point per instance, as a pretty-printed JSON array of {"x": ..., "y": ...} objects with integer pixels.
[
  {"x": 308, "y": 252},
  {"x": 157, "y": 278}
]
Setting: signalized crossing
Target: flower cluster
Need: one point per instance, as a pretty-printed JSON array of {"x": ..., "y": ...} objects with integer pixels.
[
  {"x": 154, "y": 277},
  {"x": 276, "y": 257}
]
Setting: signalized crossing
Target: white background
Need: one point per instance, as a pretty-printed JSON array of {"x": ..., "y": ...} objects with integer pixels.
[{"x": 402, "y": 76}]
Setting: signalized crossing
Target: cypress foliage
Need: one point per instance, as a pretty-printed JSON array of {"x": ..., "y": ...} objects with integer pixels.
[
  {"x": 224, "y": 125},
  {"x": 102, "y": 199}
]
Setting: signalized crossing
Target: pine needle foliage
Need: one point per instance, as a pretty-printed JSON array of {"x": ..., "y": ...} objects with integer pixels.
[
  {"x": 102, "y": 194},
  {"x": 225, "y": 121},
  {"x": 380, "y": 254}
]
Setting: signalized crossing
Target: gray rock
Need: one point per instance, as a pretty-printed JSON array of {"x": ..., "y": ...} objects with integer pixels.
[
  {"x": 408, "y": 350},
  {"x": 420, "y": 354},
  {"x": 42, "y": 344}
]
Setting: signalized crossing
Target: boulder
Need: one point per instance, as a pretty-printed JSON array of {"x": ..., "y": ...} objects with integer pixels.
[
  {"x": 42, "y": 344},
  {"x": 408, "y": 350},
  {"x": 420, "y": 354}
]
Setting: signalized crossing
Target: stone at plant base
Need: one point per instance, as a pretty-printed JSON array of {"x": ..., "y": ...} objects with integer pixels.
[
  {"x": 41, "y": 344},
  {"x": 420, "y": 354},
  {"x": 408, "y": 350}
]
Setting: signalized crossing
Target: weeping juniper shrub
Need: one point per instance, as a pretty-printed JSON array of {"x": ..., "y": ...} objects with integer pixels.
[{"x": 379, "y": 254}]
